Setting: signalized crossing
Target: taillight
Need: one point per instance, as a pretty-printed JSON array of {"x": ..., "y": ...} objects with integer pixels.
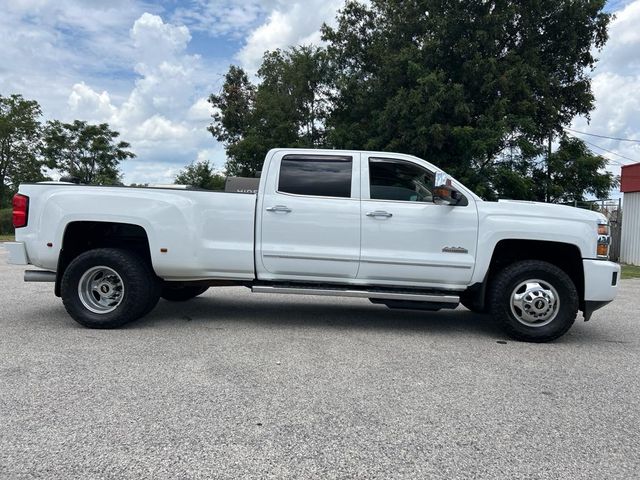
[{"x": 20, "y": 210}]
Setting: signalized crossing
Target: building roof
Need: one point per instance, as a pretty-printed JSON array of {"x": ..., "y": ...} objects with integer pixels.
[{"x": 630, "y": 178}]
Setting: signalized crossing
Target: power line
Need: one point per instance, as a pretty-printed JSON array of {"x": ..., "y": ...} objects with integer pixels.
[
  {"x": 619, "y": 139},
  {"x": 613, "y": 153},
  {"x": 609, "y": 151}
]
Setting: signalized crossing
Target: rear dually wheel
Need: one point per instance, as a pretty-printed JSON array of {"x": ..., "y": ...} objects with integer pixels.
[{"x": 108, "y": 287}]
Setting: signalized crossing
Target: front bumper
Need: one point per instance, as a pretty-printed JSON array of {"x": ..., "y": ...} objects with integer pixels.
[
  {"x": 601, "y": 280},
  {"x": 17, "y": 253}
]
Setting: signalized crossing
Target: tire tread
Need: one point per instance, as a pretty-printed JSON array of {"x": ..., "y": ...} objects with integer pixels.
[
  {"x": 502, "y": 284},
  {"x": 141, "y": 287}
]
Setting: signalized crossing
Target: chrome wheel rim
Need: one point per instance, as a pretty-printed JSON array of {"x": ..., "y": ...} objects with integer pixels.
[
  {"x": 534, "y": 303},
  {"x": 101, "y": 289}
]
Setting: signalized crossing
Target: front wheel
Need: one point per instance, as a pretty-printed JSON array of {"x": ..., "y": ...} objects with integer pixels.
[
  {"x": 108, "y": 287},
  {"x": 534, "y": 301}
]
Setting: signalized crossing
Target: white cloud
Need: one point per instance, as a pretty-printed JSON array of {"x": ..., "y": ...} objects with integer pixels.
[
  {"x": 200, "y": 110},
  {"x": 158, "y": 128},
  {"x": 88, "y": 103},
  {"x": 50, "y": 45},
  {"x": 222, "y": 17},
  {"x": 616, "y": 86},
  {"x": 156, "y": 41},
  {"x": 112, "y": 62},
  {"x": 151, "y": 172},
  {"x": 68, "y": 35},
  {"x": 128, "y": 62},
  {"x": 289, "y": 23},
  {"x": 621, "y": 52},
  {"x": 216, "y": 156},
  {"x": 160, "y": 116},
  {"x": 122, "y": 63}
]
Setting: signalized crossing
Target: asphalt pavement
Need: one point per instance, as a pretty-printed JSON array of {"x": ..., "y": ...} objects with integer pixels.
[{"x": 237, "y": 385}]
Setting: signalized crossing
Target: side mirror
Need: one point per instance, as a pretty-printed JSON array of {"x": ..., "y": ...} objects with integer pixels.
[{"x": 447, "y": 195}]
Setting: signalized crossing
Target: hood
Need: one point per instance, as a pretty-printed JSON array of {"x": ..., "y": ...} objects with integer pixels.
[{"x": 539, "y": 209}]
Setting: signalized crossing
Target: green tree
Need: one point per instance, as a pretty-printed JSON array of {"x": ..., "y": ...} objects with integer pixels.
[
  {"x": 20, "y": 141},
  {"x": 292, "y": 99},
  {"x": 573, "y": 171},
  {"x": 570, "y": 173},
  {"x": 458, "y": 83},
  {"x": 482, "y": 89},
  {"x": 287, "y": 108},
  {"x": 89, "y": 152},
  {"x": 202, "y": 175},
  {"x": 232, "y": 119},
  {"x": 511, "y": 176}
]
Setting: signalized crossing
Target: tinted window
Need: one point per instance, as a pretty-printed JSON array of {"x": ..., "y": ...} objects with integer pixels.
[
  {"x": 400, "y": 180},
  {"x": 325, "y": 176}
]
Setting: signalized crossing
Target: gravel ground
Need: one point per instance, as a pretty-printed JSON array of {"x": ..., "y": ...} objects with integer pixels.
[{"x": 238, "y": 385}]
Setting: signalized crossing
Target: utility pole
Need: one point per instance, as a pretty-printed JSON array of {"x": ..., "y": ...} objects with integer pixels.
[{"x": 548, "y": 193}]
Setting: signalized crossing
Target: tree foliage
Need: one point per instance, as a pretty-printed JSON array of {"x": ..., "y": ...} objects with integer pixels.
[
  {"x": 573, "y": 171},
  {"x": 480, "y": 89},
  {"x": 88, "y": 152},
  {"x": 459, "y": 83},
  {"x": 202, "y": 175},
  {"x": 287, "y": 108},
  {"x": 20, "y": 137}
]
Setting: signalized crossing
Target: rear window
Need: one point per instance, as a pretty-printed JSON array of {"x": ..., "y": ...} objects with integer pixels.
[{"x": 317, "y": 175}]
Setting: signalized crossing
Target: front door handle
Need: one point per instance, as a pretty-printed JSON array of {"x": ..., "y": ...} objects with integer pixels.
[
  {"x": 380, "y": 213},
  {"x": 279, "y": 208}
]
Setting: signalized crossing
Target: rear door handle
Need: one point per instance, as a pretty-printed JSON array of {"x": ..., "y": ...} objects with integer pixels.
[
  {"x": 380, "y": 213},
  {"x": 279, "y": 208}
]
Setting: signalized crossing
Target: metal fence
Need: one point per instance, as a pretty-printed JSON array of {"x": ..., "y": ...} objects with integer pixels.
[{"x": 612, "y": 209}]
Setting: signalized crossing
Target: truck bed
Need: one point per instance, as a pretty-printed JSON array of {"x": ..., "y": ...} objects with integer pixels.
[{"x": 192, "y": 234}]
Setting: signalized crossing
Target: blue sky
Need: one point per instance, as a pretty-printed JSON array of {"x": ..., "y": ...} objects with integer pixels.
[{"x": 147, "y": 67}]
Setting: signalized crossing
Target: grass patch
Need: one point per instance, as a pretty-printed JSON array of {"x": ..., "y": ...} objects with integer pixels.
[
  {"x": 630, "y": 271},
  {"x": 6, "y": 237},
  {"x": 6, "y": 222}
]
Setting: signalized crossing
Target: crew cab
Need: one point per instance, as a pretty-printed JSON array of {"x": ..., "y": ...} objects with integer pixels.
[{"x": 387, "y": 227}]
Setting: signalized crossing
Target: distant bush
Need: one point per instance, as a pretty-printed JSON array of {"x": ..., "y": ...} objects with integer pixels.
[{"x": 6, "y": 221}]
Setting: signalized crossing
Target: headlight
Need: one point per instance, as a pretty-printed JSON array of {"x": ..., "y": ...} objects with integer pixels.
[{"x": 603, "y": 240}]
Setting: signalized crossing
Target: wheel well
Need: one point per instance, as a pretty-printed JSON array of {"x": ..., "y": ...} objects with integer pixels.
[
  {"x": 565, "y": 256},
  {"x": 80, "y": 237}
]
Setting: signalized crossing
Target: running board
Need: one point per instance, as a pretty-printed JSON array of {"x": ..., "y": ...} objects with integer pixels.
[{"x": 335, "y": 292}]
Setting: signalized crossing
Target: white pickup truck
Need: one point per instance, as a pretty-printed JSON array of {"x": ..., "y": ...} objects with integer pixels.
[{"x": 387, "y": 227}]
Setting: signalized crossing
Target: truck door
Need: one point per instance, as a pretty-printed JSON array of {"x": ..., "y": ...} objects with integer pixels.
[
  {"x": 406, "y": 237},
  {"x": 310, "y": 217}
]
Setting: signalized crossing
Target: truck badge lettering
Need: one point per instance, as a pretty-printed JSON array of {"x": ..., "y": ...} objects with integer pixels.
[{"x": 455, "y": 250}]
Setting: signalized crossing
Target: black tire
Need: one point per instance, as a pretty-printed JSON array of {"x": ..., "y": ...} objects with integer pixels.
[
  {"x": 182, "y": 293},
  {"x": 140, "y": 287},
  {"x": 154, "y": 298},
  {"x": 506, "y": 283}
]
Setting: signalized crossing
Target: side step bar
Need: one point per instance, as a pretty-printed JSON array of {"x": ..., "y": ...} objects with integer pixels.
[{"x": 418, "y": 297}]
